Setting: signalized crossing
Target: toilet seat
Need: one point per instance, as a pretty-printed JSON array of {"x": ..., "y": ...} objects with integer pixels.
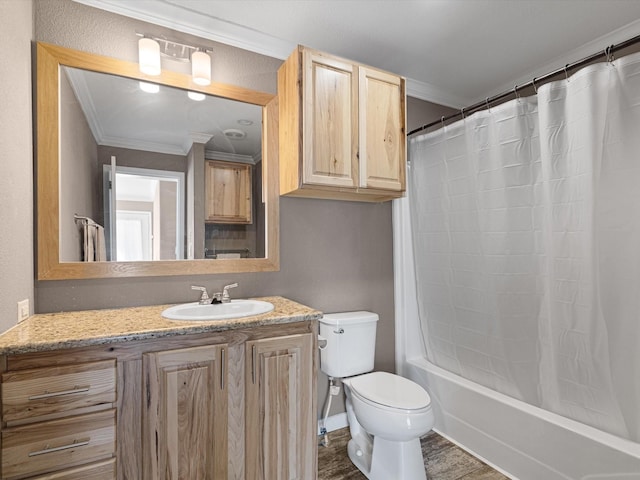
[{"x": 391, "y": 391}]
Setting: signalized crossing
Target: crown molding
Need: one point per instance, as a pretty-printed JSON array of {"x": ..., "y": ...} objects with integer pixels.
[{"x": 180, "y": 18}]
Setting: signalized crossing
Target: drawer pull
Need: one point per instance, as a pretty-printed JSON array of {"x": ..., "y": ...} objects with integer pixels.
[
  {"x": 60, "y": 393},
  {"x": 47, "y": 449}
]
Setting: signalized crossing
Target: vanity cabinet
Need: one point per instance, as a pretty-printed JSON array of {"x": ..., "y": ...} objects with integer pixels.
[
  {"x": 281, "y": 432},
  {"x": 228, "y": 192},
  {"x": 234, "y": 404},
  {"x": 342, "y": 129},
  {"x": 185, "y": 413},
  {"x": 59, "y": 419}
]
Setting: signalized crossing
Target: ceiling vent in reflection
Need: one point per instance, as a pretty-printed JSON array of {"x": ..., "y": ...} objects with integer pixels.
[{"x": 234, "y": 134}]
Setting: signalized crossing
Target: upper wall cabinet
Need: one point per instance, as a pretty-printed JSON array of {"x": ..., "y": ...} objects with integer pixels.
[{"x": 342, "y": 129}]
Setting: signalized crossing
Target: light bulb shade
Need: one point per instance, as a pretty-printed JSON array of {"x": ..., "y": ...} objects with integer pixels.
[
  {"x": 201, "y": 68},
  {"x": 149, "y": 56}
]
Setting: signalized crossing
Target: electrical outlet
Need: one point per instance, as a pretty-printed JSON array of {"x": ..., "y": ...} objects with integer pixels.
[{"x": 23, "y": 310}]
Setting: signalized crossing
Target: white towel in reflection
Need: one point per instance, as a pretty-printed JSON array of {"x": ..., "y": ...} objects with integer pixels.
[
  {"x": 99, "y": 243},
  {"x": 228, "y": 255},
  {"x": 94, "y": 242}
]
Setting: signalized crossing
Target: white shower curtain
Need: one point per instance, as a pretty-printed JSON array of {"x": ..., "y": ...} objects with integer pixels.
[{"x": 526, "y": 234}]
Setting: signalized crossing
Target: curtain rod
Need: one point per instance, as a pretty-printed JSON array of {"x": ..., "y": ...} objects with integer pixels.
[{"x": 607, "y": 52}]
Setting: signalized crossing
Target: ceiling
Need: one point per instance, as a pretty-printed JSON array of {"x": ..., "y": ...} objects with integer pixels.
[{"x": 453, "y": 52}]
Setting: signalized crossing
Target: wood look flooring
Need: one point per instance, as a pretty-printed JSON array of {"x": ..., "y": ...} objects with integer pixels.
[{"x": 443, "y": 460}]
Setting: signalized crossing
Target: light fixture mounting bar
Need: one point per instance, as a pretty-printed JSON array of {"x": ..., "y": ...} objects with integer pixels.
[{"x": 175, "y": 50}]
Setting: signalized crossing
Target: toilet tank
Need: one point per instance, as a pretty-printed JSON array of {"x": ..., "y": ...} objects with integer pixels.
[{"x": 351, "y": 343}]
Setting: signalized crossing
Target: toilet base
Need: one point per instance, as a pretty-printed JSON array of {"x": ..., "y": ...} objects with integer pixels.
[{"x": 389, "y": 460}]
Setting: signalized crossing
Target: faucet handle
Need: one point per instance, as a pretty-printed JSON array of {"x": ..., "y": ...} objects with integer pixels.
[
  {"x": 225, "y": 292},
  {"x": 204, "y": 297}
]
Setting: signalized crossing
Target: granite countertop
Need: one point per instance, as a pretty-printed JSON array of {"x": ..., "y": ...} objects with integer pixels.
[{"x": 53, "y": 331}]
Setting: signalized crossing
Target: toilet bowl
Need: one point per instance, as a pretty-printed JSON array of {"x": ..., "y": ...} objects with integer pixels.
[{"x": 387, "y": 414}]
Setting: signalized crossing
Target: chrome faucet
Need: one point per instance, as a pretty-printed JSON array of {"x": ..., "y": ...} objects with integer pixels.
[
  {"x": 204, "y": 297},
  {"x": 226, "y": 298}
]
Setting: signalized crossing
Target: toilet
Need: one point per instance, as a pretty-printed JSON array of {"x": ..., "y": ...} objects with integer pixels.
[{"x": 387, "y": 414}]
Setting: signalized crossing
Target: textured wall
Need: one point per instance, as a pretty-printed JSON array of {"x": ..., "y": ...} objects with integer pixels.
[
  {"x": 16, "y": 158},
  {"x": 335, "y": 256}
]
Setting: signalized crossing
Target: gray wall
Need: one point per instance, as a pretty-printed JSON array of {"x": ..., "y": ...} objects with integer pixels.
[
  {"x": 335, "y": 256},
  {"x": 78, "y": 166},
  {"x": 16, "y": 159}
]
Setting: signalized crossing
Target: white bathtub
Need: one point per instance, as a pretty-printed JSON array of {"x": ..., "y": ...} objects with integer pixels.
[{"x": 522, "y": 441}]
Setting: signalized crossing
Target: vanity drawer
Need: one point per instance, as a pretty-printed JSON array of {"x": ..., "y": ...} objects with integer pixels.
[
  {"x": 58, "y": 444},
  {"x": 95, "y": 471},
  {"x": 45, "y": 391}
]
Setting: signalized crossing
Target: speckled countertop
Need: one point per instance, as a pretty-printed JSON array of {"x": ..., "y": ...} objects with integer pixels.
[{"x": 53, "y": 331}]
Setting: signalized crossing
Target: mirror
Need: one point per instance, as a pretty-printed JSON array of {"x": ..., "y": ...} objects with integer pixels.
[{"x": 157, "y": 174}]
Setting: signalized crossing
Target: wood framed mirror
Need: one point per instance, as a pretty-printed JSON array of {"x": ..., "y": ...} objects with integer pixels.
[{"x": 55, "y": 66}]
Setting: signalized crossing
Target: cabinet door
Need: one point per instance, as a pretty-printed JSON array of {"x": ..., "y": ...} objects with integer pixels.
[
  {"x": 228, "y": 192},
  {"x": 280, "y": 416},
  {"x": 330, "y": 121},
  {"x": 185, "y": 414},
  {"x": 382, "y": 135}
]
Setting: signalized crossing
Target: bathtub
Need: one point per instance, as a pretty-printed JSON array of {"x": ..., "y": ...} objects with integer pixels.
[{"x": 521, "y": 441}]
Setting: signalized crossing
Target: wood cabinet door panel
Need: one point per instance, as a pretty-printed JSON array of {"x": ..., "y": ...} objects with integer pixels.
[
  {"x": 228, "y": 192},
  {"x": 382, "y": 136},
  {"x": 280, "y": 434},
  {"x": 185, "y": 414},
  {"x": 330, "y": 121},
  {"x": 28, "y": 394}
]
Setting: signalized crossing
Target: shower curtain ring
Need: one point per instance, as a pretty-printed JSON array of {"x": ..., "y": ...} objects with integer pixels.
[
  {"x": 566, "y": 74},
  {"x": 487, "y": 103},
  {"x": 608, "y": 54},
  {"x": 442, "y": 121},
  {"x": 515, "y": 91},
  {"x": 462, "y": 112},
  {"x": 533, "y": 82}
]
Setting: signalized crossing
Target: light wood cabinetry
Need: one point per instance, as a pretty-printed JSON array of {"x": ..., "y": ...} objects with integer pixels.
[
  {"x": 238, "y": 404},
  {"x": 59, "y": 419},
  {"x": 185, "y": 414},
  {"x": 280, "y": 431},
  {"x": 228, "y": 192},
  {"x": 342, "y": 129}
]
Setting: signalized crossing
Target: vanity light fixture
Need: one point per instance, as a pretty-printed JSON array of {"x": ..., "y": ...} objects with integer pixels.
[
  {"x": 201, "y": 67},
  {"x": 196, "y": 96},
  {"x": 149, "y": 56},
  {"x": 150, "y": 49}
]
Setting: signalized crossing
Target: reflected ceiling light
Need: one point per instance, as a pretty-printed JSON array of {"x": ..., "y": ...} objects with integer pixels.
[
  {"x": 197, "y": 96},
  {"x": 149, "y": 87},
  {"x": 201, "y": 67},
  {"x": 149, "y": 56}
]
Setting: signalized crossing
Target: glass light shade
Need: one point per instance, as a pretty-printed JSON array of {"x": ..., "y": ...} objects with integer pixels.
[
  {"x": 196, "y": 96},
  {"x": 201, "y": 68},
  {"x": 149, "y": 56}
]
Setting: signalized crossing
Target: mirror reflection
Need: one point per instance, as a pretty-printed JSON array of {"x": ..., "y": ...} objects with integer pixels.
[{"x": 150, "y": 172}]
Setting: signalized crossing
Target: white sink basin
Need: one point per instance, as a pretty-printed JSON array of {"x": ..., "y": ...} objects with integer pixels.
[{"x": 219, "y": 311}]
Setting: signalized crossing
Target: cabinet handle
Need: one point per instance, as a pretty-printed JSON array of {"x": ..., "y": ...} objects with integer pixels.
[
  {"x": 47, "y": 449},
  {"x": 60, "y": 393},
  {"x": 222, "y": 369},
  {"x": 253, "y": 364}
]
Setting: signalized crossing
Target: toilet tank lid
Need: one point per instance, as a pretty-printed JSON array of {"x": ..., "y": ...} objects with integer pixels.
[{"x": 349, "y": 318}]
